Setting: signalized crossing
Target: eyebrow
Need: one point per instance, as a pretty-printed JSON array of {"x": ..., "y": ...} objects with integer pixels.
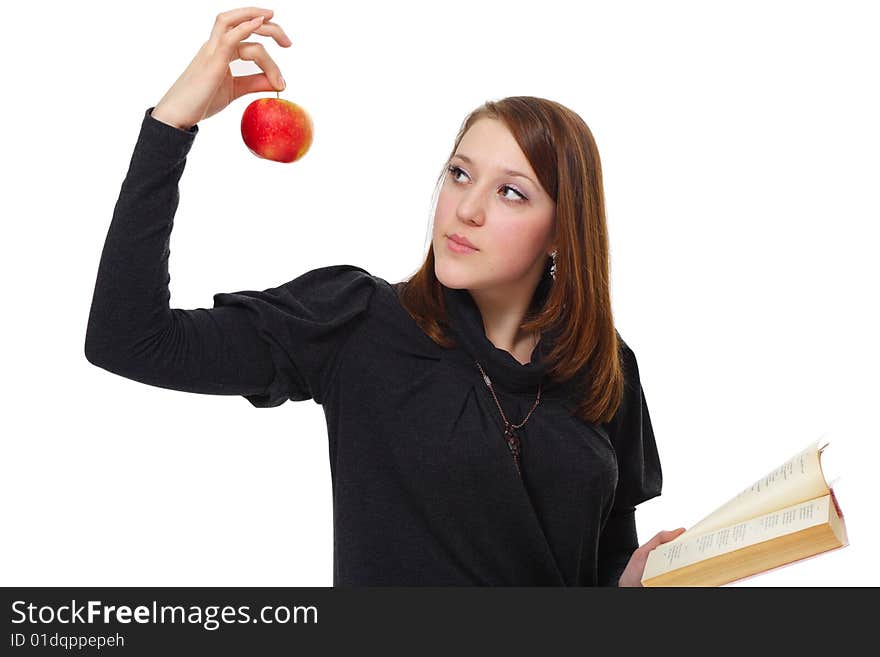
[{"x": 509, "y": 172}]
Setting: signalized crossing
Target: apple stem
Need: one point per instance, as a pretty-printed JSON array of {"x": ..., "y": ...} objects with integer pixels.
[{"x": 278, "y": 94}]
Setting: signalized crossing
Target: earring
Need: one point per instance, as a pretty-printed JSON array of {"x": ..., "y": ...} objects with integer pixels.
[{"x": 553, "y": 266}]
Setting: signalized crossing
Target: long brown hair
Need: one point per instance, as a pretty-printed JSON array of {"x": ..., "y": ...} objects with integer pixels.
[{"x": 561, "y": 150}]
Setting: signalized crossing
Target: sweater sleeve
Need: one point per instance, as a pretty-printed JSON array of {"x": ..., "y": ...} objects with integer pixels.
[
  {"x": 268, "y": 346},
  {"x": 305, "y": 325},
  {"x": 640, "y": 476},
  {"x": 618, "y": 541}
]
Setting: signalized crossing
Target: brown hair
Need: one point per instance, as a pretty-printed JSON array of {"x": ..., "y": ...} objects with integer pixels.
[{"x": 561, "y": 150}]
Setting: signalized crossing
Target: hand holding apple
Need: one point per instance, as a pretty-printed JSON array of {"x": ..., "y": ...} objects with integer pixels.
[
  {"x": 276, "y": 129},
  {"x": 207, "y": 85}
]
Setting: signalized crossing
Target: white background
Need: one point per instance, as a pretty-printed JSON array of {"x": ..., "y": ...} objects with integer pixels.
[{"x": 739, "y": 145}]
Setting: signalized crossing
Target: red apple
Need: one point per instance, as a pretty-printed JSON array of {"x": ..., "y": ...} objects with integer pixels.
[{"x": 276, "y": 129}]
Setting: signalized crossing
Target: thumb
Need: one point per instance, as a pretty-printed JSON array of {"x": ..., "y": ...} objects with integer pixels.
[
  {"x": 669, "y": 535},
  {"x": 249, "y": 84},
  {"x": 665, "y": 536}
]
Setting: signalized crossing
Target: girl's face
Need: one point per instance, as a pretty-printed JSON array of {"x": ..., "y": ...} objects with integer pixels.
[{"x": 509, "y": 218}]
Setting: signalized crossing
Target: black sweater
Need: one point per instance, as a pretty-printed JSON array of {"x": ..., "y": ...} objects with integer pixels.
[{"x": 425, "y": 491}]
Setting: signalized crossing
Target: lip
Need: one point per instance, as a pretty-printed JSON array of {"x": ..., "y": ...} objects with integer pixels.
[
  {"x": 461, "y": 239},
  {"x": 457, "y": 247}
]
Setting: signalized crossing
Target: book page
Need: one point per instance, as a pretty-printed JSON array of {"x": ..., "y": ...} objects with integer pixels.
[
  {"x": 677, "y": 554},
  {"x": 797, "y": 480}
]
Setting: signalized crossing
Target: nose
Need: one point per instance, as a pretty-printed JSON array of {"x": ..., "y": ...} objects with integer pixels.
[{"x": 470, "y": 208}]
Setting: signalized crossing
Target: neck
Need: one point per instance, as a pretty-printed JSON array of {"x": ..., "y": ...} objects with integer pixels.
[{"x": 503, "y": 312}]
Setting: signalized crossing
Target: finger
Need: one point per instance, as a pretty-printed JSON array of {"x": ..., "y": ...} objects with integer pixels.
[
  {"x": 241, "y": 32},
  {"x": 248, "y": 84},
  {"x": 274, "y": 30},
  {"x": 255, "y": 52},
  {"x": 230, "y": 19},
  {"x": 664, "y": 536},
  {"x": 668, "y": 535}
]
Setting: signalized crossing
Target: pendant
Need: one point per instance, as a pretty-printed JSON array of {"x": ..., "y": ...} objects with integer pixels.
[{"x": 513, "y": 443}]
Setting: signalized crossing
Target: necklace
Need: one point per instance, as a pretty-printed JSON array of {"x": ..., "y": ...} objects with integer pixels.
[{"x": 513, "y": 441}]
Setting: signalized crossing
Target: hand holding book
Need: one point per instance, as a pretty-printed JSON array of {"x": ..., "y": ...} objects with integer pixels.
[
  {"x": 632, "y": 574},
  {"x": 788, "y": 515}
]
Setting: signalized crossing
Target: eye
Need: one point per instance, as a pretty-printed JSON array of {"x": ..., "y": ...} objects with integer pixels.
[{"x": 455, "y": 171}]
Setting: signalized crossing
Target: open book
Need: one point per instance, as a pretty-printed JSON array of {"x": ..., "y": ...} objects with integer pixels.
[{"x": 788, "y": 515}]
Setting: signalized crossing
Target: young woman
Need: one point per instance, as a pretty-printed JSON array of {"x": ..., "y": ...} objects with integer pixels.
[{"x": 486, "y": 421}]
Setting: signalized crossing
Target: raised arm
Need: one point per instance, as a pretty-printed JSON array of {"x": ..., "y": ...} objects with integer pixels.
[{"x": 131, "y": 330}]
